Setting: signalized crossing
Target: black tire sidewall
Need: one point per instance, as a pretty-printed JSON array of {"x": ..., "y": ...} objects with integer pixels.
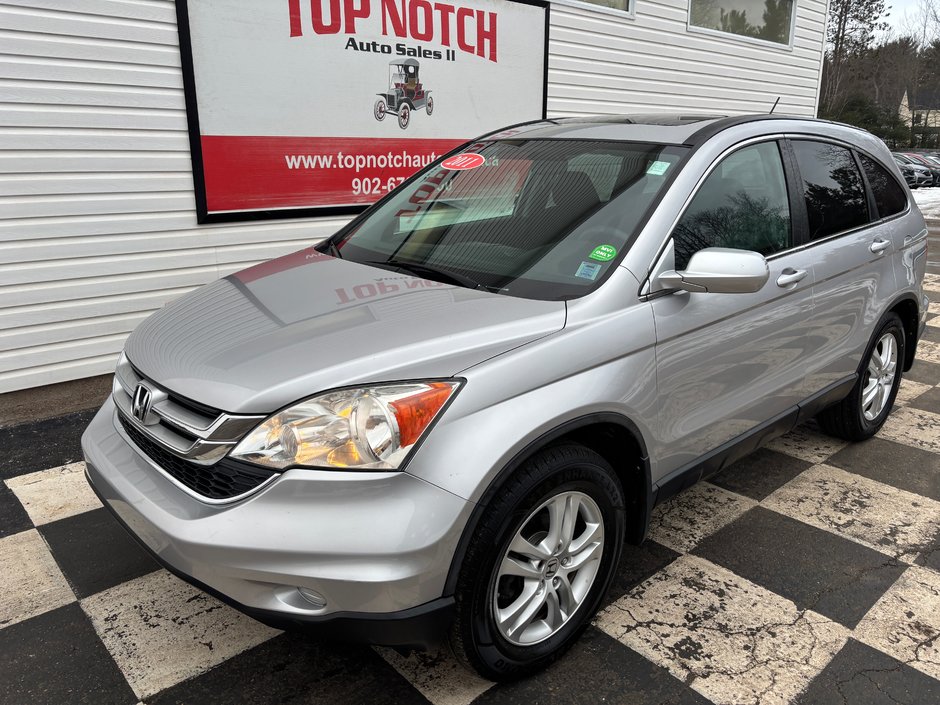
[{"x": 490, "y": 653}]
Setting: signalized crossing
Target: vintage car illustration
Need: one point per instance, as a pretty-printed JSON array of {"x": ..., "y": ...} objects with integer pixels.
[{"x": 405, "y": 93}]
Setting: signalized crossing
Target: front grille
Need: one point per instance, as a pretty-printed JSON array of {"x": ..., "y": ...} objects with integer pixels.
[
  {"x": 223, "y": 480},
  {"x": 187, "y": 403}
]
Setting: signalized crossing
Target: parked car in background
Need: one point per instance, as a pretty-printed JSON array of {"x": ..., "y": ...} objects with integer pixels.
[
  {"x": 923, "y": 161},
  {"x": 933, "y": 159},
  {"x": 924, "y": 175},
  {"x": 448, "y": 417},
  {"x": 910, "y": 176}
]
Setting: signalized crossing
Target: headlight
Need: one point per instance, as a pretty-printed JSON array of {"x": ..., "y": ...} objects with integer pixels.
[{"x": 368, "y": 428}]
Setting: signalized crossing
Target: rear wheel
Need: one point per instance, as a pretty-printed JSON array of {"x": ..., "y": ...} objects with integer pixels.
[
  {"x": 404, "y": 116},
  {"x": 866, "y": 408},
  {"x": 541, "y": 560},
  {"x": 430, "y": 106}
]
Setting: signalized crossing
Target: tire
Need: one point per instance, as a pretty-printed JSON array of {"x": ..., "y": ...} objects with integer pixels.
[
  {"x": 430, "y": 105},
  {"x": 380, "y": 110},
  {"x": 854, "y": 418},
  {"x": 502, "y": 650},
  {"x": 404, "y": 116}
]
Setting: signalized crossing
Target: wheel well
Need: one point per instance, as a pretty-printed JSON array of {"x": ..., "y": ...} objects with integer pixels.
[
  {"x": 615, "y": 441},
  {"x": 623, "y": 450},
  {"x": 907, "y": 310}
]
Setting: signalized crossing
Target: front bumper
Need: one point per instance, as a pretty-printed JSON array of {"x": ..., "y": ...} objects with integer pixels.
[{"x": 376, "y": 546}]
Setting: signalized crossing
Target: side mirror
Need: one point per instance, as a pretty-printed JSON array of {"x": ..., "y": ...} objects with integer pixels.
[{"x": 720, "y": 270}]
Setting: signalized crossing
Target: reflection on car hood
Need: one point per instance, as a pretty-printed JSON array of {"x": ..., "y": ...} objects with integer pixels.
[{"x": 285, "y": 329}]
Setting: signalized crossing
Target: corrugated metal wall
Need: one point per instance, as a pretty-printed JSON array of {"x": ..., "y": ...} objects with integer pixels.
[{"x": 97, "y": 219}]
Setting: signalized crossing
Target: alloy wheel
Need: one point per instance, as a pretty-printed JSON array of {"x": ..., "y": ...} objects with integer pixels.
[
  {"x": 882, "y": 369},
  {"x": 548, "y": 568}
]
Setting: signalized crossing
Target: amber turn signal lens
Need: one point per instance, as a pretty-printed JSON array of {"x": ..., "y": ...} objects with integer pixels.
[{"x": 414, "y": 413}]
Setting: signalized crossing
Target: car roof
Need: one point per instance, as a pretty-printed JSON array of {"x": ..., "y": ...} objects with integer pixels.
[{"x": 662, "y": 128}]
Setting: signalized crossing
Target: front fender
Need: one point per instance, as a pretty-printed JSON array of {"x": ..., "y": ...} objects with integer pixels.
[{"x": 604, "y": 366}]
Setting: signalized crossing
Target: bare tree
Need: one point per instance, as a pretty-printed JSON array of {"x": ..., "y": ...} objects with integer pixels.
[{"x": 852, "y": 27}]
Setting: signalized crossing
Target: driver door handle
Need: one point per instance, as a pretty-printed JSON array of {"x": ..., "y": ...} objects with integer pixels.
[
  {"x": 879, "y": 245},
  {"x": 790, "y": 276}
]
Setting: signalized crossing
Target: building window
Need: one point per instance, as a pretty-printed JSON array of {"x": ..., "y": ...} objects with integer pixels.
[
  {"x": 623, "y": 5},
  {"x": 616, "y": 6},
  {"x": 770, "y": 20}
]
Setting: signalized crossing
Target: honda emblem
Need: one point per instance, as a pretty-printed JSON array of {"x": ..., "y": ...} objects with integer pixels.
[{"x": 143, "y": 402}]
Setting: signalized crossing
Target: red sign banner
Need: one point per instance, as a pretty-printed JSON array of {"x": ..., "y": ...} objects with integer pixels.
[{"x": 245, "y": 173}]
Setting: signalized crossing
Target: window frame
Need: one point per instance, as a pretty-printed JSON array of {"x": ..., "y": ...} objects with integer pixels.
[
  {"x": 799, "y": 218},
  {"x": 798, "y": 227},
  {"x": 732, "y": 36},
  {"x": 779, "y": 140},
  {"x": 874, "y": 216},
  {"x": 791, "y": 239},
  {"x": 629, "y": 14}
]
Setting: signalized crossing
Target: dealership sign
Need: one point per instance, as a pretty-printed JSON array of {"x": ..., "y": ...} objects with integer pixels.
[{"x": 323, "y": 106}]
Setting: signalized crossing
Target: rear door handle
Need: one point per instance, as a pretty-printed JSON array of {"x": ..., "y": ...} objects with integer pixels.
[
  {"x": 790, "y": 276},
  {"x": 879, "y": 245}
]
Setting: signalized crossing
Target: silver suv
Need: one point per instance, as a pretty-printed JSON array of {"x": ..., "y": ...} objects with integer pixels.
[{"x": 448, "y": 417}]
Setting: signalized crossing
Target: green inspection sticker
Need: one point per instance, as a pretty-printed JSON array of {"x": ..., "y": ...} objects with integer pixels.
[{"x": 603, "y": 253}]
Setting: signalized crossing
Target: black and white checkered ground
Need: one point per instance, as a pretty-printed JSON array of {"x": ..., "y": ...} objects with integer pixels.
[{"x": 807, "y": 573}]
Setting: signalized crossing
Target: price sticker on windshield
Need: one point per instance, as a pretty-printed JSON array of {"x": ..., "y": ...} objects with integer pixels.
[{"x": 463, "y": 162}]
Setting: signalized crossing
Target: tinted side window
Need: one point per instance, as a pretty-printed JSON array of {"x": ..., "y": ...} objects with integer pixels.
[
  {"x": 889, "y": 196},
  {"x": 741, "y": 204},
  {"x": 832, "y": 186}
]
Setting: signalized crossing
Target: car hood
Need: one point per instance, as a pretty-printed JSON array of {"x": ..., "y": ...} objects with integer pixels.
[{"x": 283, "y": 330}]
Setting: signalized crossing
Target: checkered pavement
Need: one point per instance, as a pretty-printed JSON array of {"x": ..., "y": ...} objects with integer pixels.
[{"x": 809, "y": 572}]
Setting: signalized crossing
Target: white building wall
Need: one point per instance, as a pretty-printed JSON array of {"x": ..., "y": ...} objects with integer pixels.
[
  {"x": 600, "y": 62},
  {"x": 97, "y": 216}
]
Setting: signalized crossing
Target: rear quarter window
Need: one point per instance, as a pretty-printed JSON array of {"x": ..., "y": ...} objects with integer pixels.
[{"x": 889, "y": 196}]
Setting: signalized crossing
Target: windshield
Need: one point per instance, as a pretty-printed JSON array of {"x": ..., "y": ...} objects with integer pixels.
[{"x": 542, "y": 219}]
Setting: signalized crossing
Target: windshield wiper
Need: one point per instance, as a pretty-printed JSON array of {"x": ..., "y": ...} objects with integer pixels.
[{"x": 429, "y": 272}]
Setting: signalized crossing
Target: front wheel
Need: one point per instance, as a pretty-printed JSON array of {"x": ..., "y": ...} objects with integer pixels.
[
  {"x": 404, "y": 116},
  {"x": 863, "y": 412},
  {"x": 541, "y": 559},
  {"x": 380, "y": 110}
]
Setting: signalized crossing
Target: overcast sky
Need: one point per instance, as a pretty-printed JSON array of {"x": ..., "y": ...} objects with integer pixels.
[{"x": 900, "y": 8}]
